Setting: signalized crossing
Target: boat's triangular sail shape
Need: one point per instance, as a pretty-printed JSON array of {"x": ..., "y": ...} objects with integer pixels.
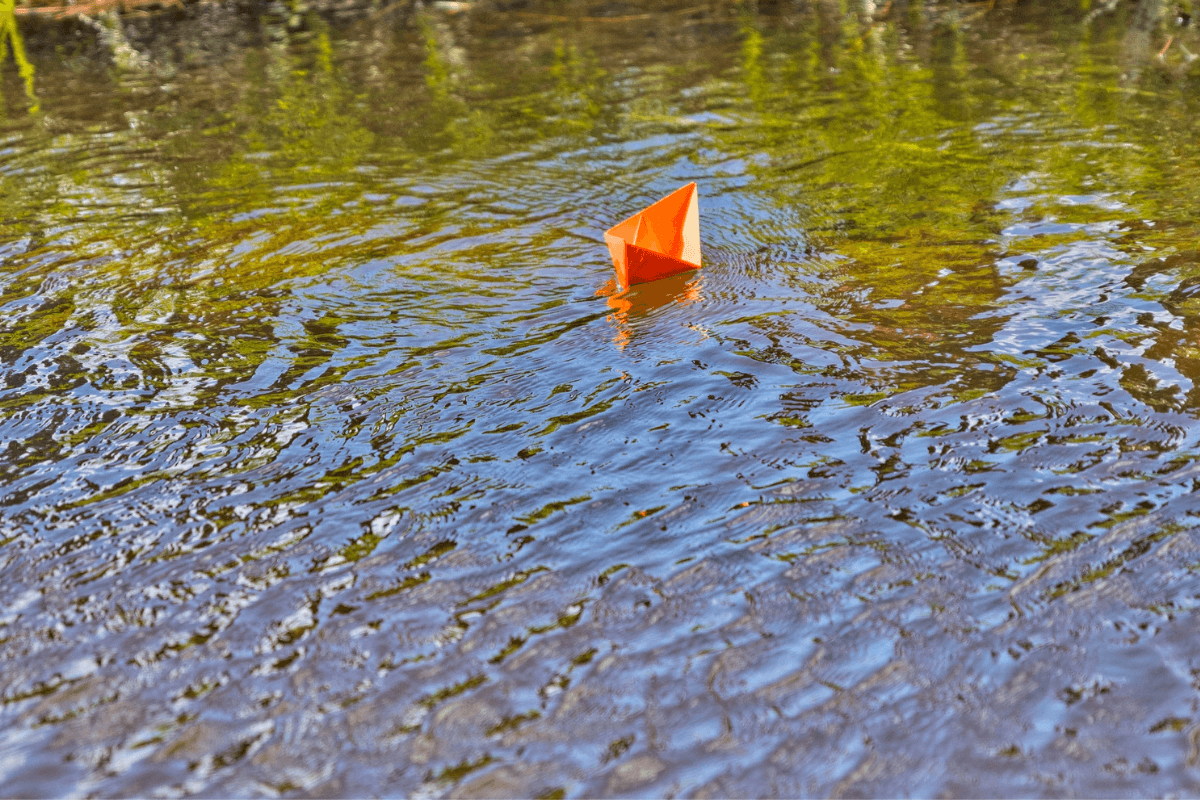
[{"x": 658, "y": 241}]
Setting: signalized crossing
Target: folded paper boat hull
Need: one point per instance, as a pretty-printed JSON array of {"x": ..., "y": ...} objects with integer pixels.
[{"x": 658, "y": 241}]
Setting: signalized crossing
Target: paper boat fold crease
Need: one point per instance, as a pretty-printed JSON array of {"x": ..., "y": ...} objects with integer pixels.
[{"x": 658, "y": 241}]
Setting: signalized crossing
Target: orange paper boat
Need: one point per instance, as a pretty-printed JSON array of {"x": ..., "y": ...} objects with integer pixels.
[{"x": 658, "y": 241}]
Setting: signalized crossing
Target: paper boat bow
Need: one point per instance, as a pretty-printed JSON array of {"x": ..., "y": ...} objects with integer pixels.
[{"x": 658, "y": 241}]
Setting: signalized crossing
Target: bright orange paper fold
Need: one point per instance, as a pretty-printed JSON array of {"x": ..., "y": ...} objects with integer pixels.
[{"x": 658, "y": 241}]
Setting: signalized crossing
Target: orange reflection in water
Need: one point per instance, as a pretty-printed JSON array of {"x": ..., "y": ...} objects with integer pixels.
[{"x": 643, "y": 299}]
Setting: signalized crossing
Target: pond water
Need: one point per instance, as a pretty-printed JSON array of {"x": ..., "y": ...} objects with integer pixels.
[{"x": 335, "y": 463}]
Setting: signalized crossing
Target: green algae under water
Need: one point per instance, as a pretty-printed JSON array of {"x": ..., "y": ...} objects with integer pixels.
[{"x": 332, "y": 462}]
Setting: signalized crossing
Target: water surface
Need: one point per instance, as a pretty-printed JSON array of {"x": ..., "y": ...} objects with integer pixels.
[{"x": 334, "y": 462}]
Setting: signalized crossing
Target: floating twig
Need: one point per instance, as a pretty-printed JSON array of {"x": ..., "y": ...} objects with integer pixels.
[
  {"x": 92, "y": 7},
  {"x": 626, "y": 18}
]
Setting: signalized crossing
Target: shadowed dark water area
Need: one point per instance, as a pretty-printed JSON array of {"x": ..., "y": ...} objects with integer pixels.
[{"x": 333, "y": 463}]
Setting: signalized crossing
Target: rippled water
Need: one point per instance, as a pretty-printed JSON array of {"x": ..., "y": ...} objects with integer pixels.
[{"x": 334, "y": 463}]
